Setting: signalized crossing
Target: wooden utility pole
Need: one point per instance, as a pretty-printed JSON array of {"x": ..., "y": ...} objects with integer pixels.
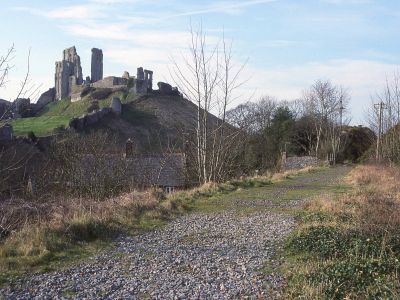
[
  {"x": 341, "y": 108},
  {"x": 380, "y": 106}
]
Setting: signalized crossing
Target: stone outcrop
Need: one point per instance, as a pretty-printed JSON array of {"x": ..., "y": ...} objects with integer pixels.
[
  {"x": 116, "y": 105},
  {"x": 144, "y": 81},
  {"x": 68, "y": 73},
  {"x": 6, "y": 132},
  {"x": 97, "y": 65}
]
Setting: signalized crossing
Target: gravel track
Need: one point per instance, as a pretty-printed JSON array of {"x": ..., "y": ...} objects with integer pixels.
[{"x": 197, "y": 256}]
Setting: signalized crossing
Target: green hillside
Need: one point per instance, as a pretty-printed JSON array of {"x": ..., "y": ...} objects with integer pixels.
[{"x": 58, "y": 114}]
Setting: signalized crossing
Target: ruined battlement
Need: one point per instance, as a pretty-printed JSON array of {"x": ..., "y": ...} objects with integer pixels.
[
  {"x": 68, "y": 73},
  {"x": 69, "y": 79}
]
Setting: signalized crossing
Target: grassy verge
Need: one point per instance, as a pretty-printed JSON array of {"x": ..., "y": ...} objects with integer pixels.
[
  {"x": 348, "y": 244},
  {"x": 73, "y": 229}
]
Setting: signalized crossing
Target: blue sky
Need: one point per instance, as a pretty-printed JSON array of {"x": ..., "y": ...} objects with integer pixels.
[{"x": 289, "y": 44}]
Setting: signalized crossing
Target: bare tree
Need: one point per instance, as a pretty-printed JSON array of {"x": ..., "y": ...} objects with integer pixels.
[
  {"x": 208, "y": 77},
  {"x": 26, "y": 89},
  {"x": 324, "y": 103},
  {"x": 384, "y": 117}
]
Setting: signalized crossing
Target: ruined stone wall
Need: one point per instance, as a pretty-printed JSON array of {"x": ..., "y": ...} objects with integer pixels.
[
  {"x": 300, "y": 162},
  {"x": 46, "y": 98},
  {"x": 89, "y": 119},
  {"x": 6, "y": 132},
  {"x": 97, "y": 65},
  {"x": 68, "y": 73},
  {"x": 144, "y": 81},
  {"x": 110, "y": 82}
]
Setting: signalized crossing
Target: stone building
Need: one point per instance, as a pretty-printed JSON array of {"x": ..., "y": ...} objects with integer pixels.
[
  {"x": 68, "y": 73},
  {"x": 97, "y": 65},
  {"x": 69, "y": 80},
  {"x": 144, "y": 81}
]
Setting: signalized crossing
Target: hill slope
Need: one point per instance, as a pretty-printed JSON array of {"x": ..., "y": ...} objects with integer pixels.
[{"x": 153, "y": 121}]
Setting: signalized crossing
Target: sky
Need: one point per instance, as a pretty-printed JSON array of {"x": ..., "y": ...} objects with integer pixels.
[{"x": 286, "y": 44}]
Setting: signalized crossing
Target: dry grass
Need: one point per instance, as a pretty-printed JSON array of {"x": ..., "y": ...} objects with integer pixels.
[
  {"x": 377, "y": 199},
  {"x": 287, "y": 174},
  {"x": 348, "y": 247},
  {"x": 36, "y": 232}
]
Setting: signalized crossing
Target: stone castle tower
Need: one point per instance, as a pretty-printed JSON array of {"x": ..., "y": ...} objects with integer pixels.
[
  {"x": 97, "y": 65},
  {"x": 68, "y": 73}
]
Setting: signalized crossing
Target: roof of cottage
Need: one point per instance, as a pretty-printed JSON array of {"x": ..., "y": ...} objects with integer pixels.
[{"x": 159, "y": 170}]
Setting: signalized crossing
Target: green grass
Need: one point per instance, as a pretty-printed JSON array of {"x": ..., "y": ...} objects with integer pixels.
[
  {"x": 67, "y": 255},
  {"x": 58, "y": 114},
  {"x": 329, "y": 257},
  {"x": 40, "y": 126}
]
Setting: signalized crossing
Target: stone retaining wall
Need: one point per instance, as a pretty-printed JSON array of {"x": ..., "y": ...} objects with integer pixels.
[{"x": 299, "y": 162}]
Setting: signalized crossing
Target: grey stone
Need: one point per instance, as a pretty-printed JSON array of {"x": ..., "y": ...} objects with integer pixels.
[
  {"x": 46, "y": 98},
  {"x": 116, "y": 105},
  {"x": 299, "y": 162},
  {"x": 97, "y": 65},
  {"x": 6, "y": 132},
  {"x": 144, "y": 81},
  {"x": 126, "y": 75},
  {"x": 22, "y": 105},
  {"x": 110, "y": 82},
  {"x": 140, "y": 74},
  {"x": 164, "y": 88},
  {"x": 68, "y": 73}
]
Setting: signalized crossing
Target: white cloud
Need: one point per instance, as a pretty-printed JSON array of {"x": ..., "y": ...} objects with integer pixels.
[
  {"x": 363, "y": 78},
  {"x": 75, "y": 12}
]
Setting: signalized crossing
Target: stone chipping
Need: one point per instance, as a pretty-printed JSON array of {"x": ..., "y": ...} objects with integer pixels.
[{"x": 197, "y": 256}]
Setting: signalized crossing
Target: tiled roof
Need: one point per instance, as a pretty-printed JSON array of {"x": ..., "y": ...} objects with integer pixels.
[{"x": 160, "y": 170}]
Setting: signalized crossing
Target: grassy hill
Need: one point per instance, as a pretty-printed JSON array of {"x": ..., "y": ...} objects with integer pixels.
[
  {"x": 153, "y": 121},
  {"x": 56, "y": 115}
]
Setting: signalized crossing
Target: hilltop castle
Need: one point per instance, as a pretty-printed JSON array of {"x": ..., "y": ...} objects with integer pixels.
[{"x": 69, "y": 80}]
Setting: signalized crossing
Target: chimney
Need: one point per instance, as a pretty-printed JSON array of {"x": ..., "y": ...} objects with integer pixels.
[{"x": 129, "y": 148}]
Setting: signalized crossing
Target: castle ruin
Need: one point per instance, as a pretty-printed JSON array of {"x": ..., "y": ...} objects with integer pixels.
[
  {"x": 68, "y": 73},
  {"x": 97, "y": 65},
  {"x": 69, "y": 80}
]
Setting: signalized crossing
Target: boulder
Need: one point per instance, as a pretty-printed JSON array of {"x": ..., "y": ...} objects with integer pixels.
[
  {"x": 116, "y": 105},
  {"x": 6, "y": 132}
]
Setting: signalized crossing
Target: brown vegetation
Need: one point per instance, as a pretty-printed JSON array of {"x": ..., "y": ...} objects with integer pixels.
[{"x": 350, "y": 241}]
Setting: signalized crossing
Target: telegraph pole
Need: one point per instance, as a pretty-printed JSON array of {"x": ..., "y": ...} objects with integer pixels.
[
  {"x": 380, "y": 106},
  {"x": 341, "y": 108}
]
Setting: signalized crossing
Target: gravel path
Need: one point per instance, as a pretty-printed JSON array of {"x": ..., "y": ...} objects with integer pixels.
[{"x": 197, "y": 256}]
